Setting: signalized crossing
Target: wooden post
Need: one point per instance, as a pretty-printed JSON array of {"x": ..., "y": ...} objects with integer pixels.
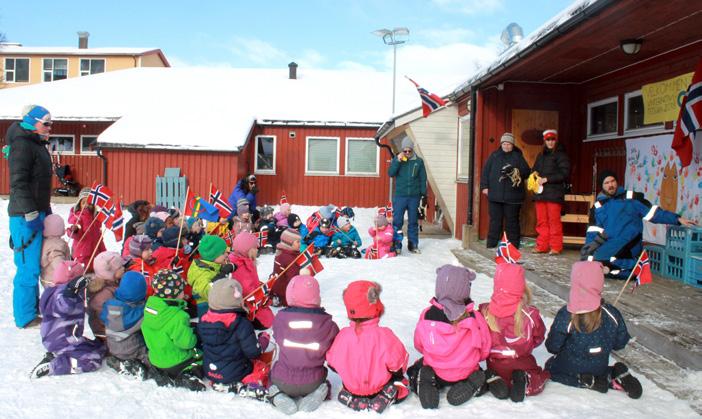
[
  {"x": 182, "y": 218},
  {"x": 629, "y": 278},
  {"x": 102, "y": 234}
]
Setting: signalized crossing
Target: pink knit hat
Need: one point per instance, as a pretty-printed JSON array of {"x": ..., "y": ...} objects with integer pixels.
[
  {"x": 107, "y": 264},
  {"x": 303, "y": 291},
  {"x": 54, "y": 226},
  {"x": 66, "y": 271},
  {"x": 285, "y": 208},
  {"x": 586, "y": 284},
  {"x": 508, "y": 289},
  {"x": 243, "y": 242}
]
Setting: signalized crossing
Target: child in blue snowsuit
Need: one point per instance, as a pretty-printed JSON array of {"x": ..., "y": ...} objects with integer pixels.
[
  {"x": 320, "y": 236},
  {"x": 345, "y": 241}
]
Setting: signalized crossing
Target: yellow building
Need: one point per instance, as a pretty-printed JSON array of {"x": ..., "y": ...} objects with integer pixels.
[{"x": 20, "y": 66}]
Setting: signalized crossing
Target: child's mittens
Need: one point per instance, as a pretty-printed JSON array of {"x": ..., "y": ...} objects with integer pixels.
[
  {"x": 263, "y": 340},
  {"x": 76, "y": 287},
  {"x": 187, "y": 249}
]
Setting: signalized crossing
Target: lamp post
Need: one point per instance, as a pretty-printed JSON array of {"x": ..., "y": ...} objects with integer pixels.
[{"x": 393, "y": 37}]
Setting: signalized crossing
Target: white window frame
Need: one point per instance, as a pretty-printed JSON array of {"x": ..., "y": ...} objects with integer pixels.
[
  {"x": 5, "y": 71},
  {"x": 275, "y": 155},
  {"x": 615, "y": 133},
  {"x": 64, "y": 152},
  {"x": 85, "y": 152},
  {"x": 307, "y": 152},
  {"x": 377, "y": 155},
  {"x": 459, "y": 176},
  {"x": 80, "y": 65},
  {"x": 653, "y": 128},
  {"x": 43, "y": 60}
]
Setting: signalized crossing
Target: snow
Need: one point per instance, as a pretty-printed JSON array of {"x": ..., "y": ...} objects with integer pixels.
[
  {"x": 408, "y": 284},
  {"x": 21, "y": 50}
]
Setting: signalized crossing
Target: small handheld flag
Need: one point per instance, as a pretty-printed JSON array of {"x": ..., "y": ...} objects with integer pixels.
[
  {"x": 99, "y": 194},
  {"x": 262, "y": 237},
  {"x": 642, "y": 271},
  {"x": 506, "y": 251},
  {"x": 216, "y": 199},
  {"x": 309, "y": 260},
  {"x": 199, "y": 208},
  {"x": 116, "y": 221},
  {"x": 283, "y": 198}
]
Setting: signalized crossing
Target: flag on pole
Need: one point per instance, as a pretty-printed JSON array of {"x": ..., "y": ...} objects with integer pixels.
[
  {"x": 372, "y": 253},
  {"x": 642, "y": 270},
  {"x": 689, "y": 119},
  {"x": 104, "y": 212},
  {"x": 262, "y": 237},
  {"x": 216, "y": 199},
  {"x": 283, "y": 198},
  {"x": 199, "y": 208},
  {"x": 506, "y": 251},
  {"x": 309, "y": 260},
  {"x": 430, "y": 101},
  {"x": 116, "y": 221},
  {"x": 99, "y": 194},
  {"x": 313, "y": 221},
  {"x": 388, "y": 209}
]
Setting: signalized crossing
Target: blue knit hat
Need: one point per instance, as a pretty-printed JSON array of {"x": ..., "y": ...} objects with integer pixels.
[
  {"x": 170, "y": 236},
  {"x": 132, "y": 287},
  {"x": 35, "y": 114},
  {"x": 152, "y": 226}
]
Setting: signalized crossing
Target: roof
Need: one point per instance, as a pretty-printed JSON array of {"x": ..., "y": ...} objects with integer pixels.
[
  {"x": 21, "y": 50},
  {"x": 210, "y": 108}
]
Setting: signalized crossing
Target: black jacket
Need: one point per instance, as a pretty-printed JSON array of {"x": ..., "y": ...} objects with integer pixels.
[
  {"x": 554, "y": 166},
  {"x": 30, "y": 171},
  {"x": 499, "y": 186},
  {"x": 129, "y": 229}
]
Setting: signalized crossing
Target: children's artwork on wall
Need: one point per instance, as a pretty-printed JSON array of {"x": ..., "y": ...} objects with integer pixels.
[{"x": 654, "y": 169}]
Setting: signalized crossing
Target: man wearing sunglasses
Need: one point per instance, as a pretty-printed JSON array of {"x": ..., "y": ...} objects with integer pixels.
[
  {"x": 410, "y": 187},
  {"x": 245, "y": 188},
  {"x": 30, "y": 202}
]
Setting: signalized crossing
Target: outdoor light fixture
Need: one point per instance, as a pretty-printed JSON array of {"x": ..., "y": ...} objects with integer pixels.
[
  {"x": 631, "y": 46},
  {"x": 393, "y": 37}
]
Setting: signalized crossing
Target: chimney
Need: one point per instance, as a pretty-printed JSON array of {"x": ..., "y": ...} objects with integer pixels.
[
  {"x": 292, "y": 70},
  {"x": 83, "y": 39}
]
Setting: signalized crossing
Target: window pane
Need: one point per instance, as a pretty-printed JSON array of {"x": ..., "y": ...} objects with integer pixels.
[
  {"x": 464, "y": 147},
  {"x": 22, "y": 70},
  {"x": 47, "y": 76},
  {"x": 362, "y": 156},
  {"x": 48, "y": 64},
  {"x": 97, "y": 66},
  {"x": 603, "y": 119},
  {"x": 265, "y": 153},
  {"x": 59, "y": 144},
  {"x": 635, "y": 117},
  {"x": 88, "y": 144},
  {"x": 9, "y": 76},
  {"x": 321, "y": 155},
  {"x": 84, "y": 65},
  {"x": 9, "y": 64}
]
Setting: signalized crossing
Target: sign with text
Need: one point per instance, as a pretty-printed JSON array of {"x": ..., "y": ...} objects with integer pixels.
[{"x": 662, "y": 100}]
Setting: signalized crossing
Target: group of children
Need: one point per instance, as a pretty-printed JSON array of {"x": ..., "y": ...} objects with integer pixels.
[{"x": 172, "y": 308}]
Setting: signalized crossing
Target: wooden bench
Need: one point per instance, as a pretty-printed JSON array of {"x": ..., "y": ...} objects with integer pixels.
[{"x": 577, "y": 217}]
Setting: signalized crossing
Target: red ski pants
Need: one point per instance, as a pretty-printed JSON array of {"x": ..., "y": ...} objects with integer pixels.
[
  {"x": 537, "y": 377},
  {"x": 548, "y": 226}
]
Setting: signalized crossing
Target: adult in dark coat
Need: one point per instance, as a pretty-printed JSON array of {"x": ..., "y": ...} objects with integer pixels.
[
  {"x": 502, "y": 181},
  {"x": 30, "y": 202},
  {"x": 245, "y": 188},
  {"x": 140, "y": 212},
  {"x": 553, "y": 168}
]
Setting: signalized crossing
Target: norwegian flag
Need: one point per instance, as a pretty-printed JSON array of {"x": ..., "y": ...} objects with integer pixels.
[
  {"x": 283, "y": 198},
  {"x": 372, "y": 253},
  {"x": 262, "y": 237},
  {"x": 689, "y": 119},
  {"x": 105, "y": 212},
  {"x": 388, "y": 209},
  {"x": 642, "y": 270},
  {"x": 116, "y": 221},
  {"x": 99, "y": 194},
  {"x": 259, "y": 298},
  {"x": 313, "y": 221},
  {"x": 383, "y": 211},
  {"x": 216, "y": 199},
  {"x": 309, "y": 260},
  {"x": 506, "y": 252},
  {"x": 430, "y": 101},
  {"x": 178, "y": 268}
]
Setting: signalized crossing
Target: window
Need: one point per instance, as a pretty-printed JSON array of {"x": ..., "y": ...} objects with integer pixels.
[
  {"x": 602, "y": 117},
  {"x": 265, "y": 154},
  {"x": 91, "y": 66},
  {"x": 634, "y": 113},
  {"x": 361, "y": 156},
  {"x": 88, "y": 144},
  {"x": 61, "y": 144},
  {"x": 55, "y": 69},
  {"x": 17, "y": 70},
  {"x": 322, "y": 155},
  {"x": 463, "y": 147}
]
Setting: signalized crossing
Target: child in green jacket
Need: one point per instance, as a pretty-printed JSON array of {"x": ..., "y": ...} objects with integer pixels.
[
  {"x": 168, "y": 335},
  {"x": 203, "y": 272}
]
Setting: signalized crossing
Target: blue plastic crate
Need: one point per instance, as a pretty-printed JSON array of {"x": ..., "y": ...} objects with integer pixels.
[
  {"x": 683, "y": 241},
  {"x": 656, "y": 256},
  {"x": 693, "y": 275},
  {"x": 674, "y": 266}
]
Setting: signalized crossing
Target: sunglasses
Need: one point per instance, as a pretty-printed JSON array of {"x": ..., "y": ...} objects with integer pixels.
[{"x": 407, "y": 151}]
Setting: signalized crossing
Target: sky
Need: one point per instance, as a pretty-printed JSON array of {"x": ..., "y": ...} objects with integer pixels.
[{"x": 448, "y": 39}]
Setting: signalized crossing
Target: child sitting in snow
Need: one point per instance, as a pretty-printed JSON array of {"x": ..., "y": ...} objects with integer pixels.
[
  {"x": 54, "y": 248},
  {"x": 138, "y": 228},
  {"x": 345, "y": 241},
  {"x": 242, "y": 220},
  {"x": 304, "y": 332},
  {"x": 84, "y": 229},
  {"x": 321, "y": 236},
  {"x": 288, "y": 251},
  {"x": 194, "y": 235},
  {"x": 229, "y": 344},
  {"x": 453, "y": 339},
  {"x": 211, "y": 266},
  {"x": 62, "y": 306},
  {"x": 295, "y": 222},
  {"x": 243, "y": 256},
  {"x": 142, "y": 259},
  {"x": 266, "y": 224},
  {"x": 153, "y": 227},
  {"x": 370, "y": 359},
  {"x": 109, "y": 268},
  {"x": 516, "y": 328},
  {"x": 281, "y": 217},
  {"x": 168, "y": 336},
  {"x": 122, "y": 316},
  {"x": 165, "y": 255},
  {"x": 584, "y": 333},
  {"x": 382, "y": 234}
]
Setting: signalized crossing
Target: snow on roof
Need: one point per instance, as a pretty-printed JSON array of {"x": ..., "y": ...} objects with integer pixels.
[
  {"x": 20, "y": 50},
  {"x": 210, "y": 108}
]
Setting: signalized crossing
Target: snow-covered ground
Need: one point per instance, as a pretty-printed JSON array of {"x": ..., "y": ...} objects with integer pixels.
[{"x": 408, "y": 284}]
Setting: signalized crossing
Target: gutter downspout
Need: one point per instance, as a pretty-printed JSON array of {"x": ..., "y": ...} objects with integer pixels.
[
  {"x": 377, "y": 142},
  {"x": 104, "y": 165},
  {"x": 471, "y": 163}
]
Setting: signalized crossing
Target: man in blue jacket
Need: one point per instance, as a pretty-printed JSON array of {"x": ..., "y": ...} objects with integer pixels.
[
  {"x": 614, "y": 235},
  {"x": 410, "y": 187}
]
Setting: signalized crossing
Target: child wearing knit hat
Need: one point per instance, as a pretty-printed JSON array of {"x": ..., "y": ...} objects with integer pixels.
[
  {"x": 306, "y": 331},
  {"x": 346, "y": 240},
  {"x": 84, "y": 230},
  {"x": 203, "y": 272},
  {"x": 242, "y": 220},
  {"x": 382, "y": 234},
  {"x": 288, "y": 249},
  {"x": 243, "y": 257},
  {"x": 584, "y": 333},
  {"x": 142, "y": 259},
  {"x": 320, "y": 236},
  {"x": 54, "y": 249},
  {"x": 370, "y": 359},
  {"x": 453, "y": 338},
  {"x": 516, "y": 328},
  {"x": 281, "y": 217},
  {"x": 229, "y": 343},
  {"x": 109, "y": 268},
  {"x": 62, "y": 306}
]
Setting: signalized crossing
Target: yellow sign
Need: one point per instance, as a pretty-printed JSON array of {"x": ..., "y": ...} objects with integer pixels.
[{"x": 662, "y": 100}]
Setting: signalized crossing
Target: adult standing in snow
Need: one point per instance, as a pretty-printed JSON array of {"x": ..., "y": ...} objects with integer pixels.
[
  {"x": 245, "y": 188},
  {"x": 30, "y": 202},
  {"x": 410, "y": 187},
  {"x": 553, "y": 168},
  {"x": 502, "y": 181}
]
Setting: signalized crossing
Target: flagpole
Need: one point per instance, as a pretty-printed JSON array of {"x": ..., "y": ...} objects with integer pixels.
[
  {"x": 182, "y": 218},
  {"x": 82, "y": 209},
  {"x": 89, "y": 225},
  {"x": 279, "y": 274},
  {"x": 629, "y": 278},
  {"x": 102, "y": 234}
]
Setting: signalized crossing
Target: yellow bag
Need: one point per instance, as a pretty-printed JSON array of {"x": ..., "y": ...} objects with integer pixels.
[{"x": 533, "y": 183}]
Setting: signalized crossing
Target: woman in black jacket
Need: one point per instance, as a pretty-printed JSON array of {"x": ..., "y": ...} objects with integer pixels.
[
  {"x": 553, "y": 168},
  {"x": 503, "y": 178}
]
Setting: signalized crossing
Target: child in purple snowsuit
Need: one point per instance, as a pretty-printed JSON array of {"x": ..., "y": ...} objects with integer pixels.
[{"x": 63, "y": 309}]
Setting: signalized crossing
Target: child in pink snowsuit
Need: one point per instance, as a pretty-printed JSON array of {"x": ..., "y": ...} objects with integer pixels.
[
  {"x": 54, "y": 248},
  {"x": 84, "y": 230},
  {"x": 381, "y": 234},
  {"x": 517, "y": 329},
  {"x": 453, "y": 338},
  {"x": 370, "y": 359},
  {"x": 243, "y": 256}
]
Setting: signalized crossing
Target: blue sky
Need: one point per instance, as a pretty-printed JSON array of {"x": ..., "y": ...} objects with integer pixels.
[{"x": 446, "y": 36}]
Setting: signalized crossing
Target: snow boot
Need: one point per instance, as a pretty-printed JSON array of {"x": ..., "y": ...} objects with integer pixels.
[
  {"x": 520, "y": 380},
  {"x": 412, "y": 248},
  {"x": 464, "y": 390},
  {"x": 357, "y": 403},
  {"x": 623, "y": 378},
  {"x": 189, "y": 381},
  {"x": 355, "y": 253},
  {"x": 384, "y": 399},
  {"x": 281, "y": 401},
  {"x": 242, "y": 390},
  {"x": 496, "y": 385},
  {"x": 130, "y": 368},
  {"x": 427, "y": 389},
  {"x": 43, "y": 368},
  {"x": 594, "y": 382},
  {"x": 312, "y": 401}
]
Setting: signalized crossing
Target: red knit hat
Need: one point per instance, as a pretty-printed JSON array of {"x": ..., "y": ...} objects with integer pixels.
[
  {"x": 586, "y": 284},
  {"x": 551, "y": 133},
  {"x": 362, "y": 300},
  {"x": 508, "y": 289}
]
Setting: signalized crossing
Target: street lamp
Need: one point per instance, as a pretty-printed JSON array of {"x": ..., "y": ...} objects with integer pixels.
[{"x": 393, "y": 37}]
